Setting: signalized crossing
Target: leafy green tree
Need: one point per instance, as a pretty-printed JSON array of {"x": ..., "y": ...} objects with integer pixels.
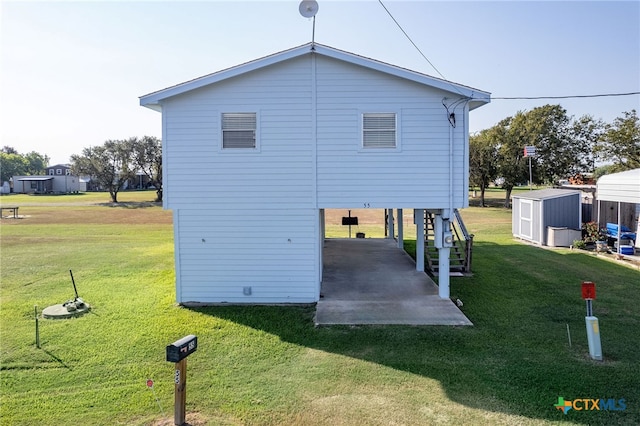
[
  {"x": 12, "y": 163},
  {"x": 564, "y": 146},
  {"x": 37, "y": 163},
  {"x": 548, "y": 129},
  {"x": 585, "y": 133},
  {"x": 147, "y": 157},
  {"x": 483, "y": 164},
  {"x": 604, "y": 170},
  {"x": 509, "y": 135},
  {"x": 9, "y": 150},
  {"x": 110, "y": 164},
  {"x": 620, "y": 142}
]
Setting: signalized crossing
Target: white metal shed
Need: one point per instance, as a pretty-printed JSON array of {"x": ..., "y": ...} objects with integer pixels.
[{"x": 623, "y": 187}]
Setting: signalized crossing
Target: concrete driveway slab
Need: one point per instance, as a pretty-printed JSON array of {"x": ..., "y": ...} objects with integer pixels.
[{"x": 372, "y": 281}]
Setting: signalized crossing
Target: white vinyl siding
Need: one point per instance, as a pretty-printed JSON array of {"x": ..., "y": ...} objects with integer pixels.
[
  {"x": 414, "y": 173},
  {"x": 246, "y": 211},
  {"x": 379, "y": 130},
  {"x": 223, "y": 251},
  {"x": 279, "y": 172},
  {"x": 238, "y": 130}
]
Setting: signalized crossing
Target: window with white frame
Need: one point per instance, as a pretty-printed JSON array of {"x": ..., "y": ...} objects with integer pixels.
[
  {"x": 52, "y": 172},
  {"x": 67, "y": 172},
  {"x": 239, "y": 130},
  {"x": 379, "y": 130},
  {"x": 58, "y": 171}
]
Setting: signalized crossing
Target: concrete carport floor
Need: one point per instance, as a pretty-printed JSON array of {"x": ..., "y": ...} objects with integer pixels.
[{"x": 372, "y": 281}]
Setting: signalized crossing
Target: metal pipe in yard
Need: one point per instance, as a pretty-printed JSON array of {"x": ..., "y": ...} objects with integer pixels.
[{"x": 35, "y": 310}]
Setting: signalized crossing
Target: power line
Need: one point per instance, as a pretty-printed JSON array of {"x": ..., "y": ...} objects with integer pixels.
[
  {"x": 415, "y": 45},
  {"x": 602, "y": 95},
  {"x": 499, "y": 97}
]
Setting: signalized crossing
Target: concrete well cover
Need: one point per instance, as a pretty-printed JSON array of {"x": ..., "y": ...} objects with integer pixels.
[{"x": 60, "y": 311}]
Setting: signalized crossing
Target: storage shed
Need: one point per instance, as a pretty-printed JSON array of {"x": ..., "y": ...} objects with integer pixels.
[{"x": 547, "y": 216}]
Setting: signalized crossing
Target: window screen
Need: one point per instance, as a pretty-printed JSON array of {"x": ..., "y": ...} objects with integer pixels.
[
  {"x": 239, "y": 130},
  {"x": 379, "y": 130}
]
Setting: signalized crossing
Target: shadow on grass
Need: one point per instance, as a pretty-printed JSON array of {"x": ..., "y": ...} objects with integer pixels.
[
  {"x": 488, "y": 202},
  {"x": 516, "y": 359},
  {"x": 131, "y": 204},
  {"x": 57, "y": 359}
]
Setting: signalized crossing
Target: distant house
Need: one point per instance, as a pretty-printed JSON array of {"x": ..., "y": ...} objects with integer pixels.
[
  {"x": 279, "y": 140},
  {"x": 57, "y": 179},
  {"x": 59, "y": 170}
]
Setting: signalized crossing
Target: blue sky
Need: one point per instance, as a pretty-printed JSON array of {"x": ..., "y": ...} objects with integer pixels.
[{"x": 72, "y": 72}]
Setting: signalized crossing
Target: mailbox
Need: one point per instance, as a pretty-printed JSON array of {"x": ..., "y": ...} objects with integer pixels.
[
  {"x": 350, "y": 220},
  {"x": 588, "y": 290},
  {"x": 182, "y": 348}
]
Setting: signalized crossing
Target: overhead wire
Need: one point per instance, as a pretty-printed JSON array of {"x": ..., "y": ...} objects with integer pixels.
[
  {"x": 416, "y": 46},
  {"x": 498, "y": 97},
  {"x": 601, "y": 95}
]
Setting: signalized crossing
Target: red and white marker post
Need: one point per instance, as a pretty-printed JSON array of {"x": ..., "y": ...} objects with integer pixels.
[{"x": 593, "y": 328}]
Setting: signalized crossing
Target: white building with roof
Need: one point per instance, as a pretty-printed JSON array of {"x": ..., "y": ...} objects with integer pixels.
[{"x": 276, "y": 141}]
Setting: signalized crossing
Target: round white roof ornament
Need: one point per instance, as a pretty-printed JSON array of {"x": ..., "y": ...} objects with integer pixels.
[{"x": 308, "y": 8}]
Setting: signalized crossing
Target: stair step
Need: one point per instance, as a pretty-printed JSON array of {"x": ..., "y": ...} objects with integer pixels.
[{"x": 458, "y": 253}]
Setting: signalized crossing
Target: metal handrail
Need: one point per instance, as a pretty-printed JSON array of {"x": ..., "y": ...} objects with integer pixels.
[{"x": 463, "y": 228}]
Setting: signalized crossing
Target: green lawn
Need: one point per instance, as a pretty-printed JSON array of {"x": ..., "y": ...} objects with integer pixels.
[{"x": 270, "y": 365}]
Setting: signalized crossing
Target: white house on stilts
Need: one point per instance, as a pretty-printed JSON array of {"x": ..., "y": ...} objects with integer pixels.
[{"x": 276, "y": 141}]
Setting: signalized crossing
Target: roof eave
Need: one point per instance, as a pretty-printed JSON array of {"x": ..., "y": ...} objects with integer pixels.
[
  {"x": 156, "y": 106},
  {"x": 152, "y": 100},
  {"x": 478, "y": 102},
  {"x": 476, "y": 97}
]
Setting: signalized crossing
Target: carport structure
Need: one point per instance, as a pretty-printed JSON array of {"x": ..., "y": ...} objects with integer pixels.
[
  {"x": 372, "y": 281},
  {"x": 623, "y": 187}
]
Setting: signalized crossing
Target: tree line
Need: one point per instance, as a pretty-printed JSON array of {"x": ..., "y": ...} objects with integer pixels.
[
  {"x": 12, "y": 163},
  {"x": 110, "y": 165},
  {"x": 565, "y": 146}
]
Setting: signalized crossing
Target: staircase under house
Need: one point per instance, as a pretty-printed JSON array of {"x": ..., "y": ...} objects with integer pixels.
[{"x": 460, "y": 253}]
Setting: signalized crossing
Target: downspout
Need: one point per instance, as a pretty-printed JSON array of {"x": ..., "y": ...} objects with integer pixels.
[
  {"x": 452, "y": 124},
  {"x": 465, "y": 136},
  {"x": 448, "y": 214}
]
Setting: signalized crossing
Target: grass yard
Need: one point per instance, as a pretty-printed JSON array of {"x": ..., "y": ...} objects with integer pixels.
[{"x": 270, "y": 365}]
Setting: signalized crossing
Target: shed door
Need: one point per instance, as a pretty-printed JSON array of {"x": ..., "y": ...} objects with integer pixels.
[{"x": 526, "y": 218}]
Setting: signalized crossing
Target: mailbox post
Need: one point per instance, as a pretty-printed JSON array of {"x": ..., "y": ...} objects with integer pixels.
[
  {"x": 178, "y": 352},
  {"x": 593, "y": 328},
  {"x": 348, "y": 220}
]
